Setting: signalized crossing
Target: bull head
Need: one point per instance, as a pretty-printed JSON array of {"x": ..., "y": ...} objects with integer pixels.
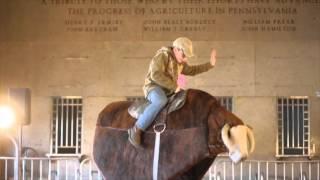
[{"x": 239, "y": 140}]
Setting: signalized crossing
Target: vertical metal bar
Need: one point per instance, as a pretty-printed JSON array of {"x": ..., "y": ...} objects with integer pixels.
[
  {"x": 23, "y": 169},
  {"x": 292, "y": 171},
  {"x": 293, "y": 120},
  {"x": 225, "y": 102},
  {"x": 81, "y": 123},
  {"x": 284, "y": 170},
  {"x": 52, "y": 125},
  {"x": 31, "y": 168},
  {"x": 241, "y": 169},
  {"x": 72, "y": 119},
  {"x": 67, "y": 123},
  {"x": 224, "y": 170},
  {"x": 250, "y": 171},
  {"x": 303, "y": 129},
  {"x": 301, "y": 170},
  {"x": 232, "y": 104},
  {"x": 6, "y": 169},
  {"x": 75, "y": 171},
  {"x": 282, "y": 128},
  {"x": 57, "y": 125},
  {"x": 231, "y": 100},
  {"x": 81, "y": 173},
  {"x": 318, "y": 170},
  {"x": 41, "y": 169},
  {"x": 90, "y": 168},
  {"x": 58, "y": 169},
  {"x": 49, "y": 172},
  {"x": 308, "y": 120},
  {"x": 310, "y": 171},
  {"x": 232, "y": 167},
  {"x": 267, "y": 174},
  {"x": 77, "y": 126},
  {"x": 276, "y": 171},
  {"x": 66, "y": 170},
  {"x": 61, "y": 123},
  {"x": 278, "y": 125},
  {"x": 298, "y": 120},
  {"x": 288, "y": 123},
  {"x": 259, "y": 173}
]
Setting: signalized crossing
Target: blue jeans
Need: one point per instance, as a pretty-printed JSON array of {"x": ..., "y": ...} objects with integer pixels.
[{"x": 158, "y": 99}]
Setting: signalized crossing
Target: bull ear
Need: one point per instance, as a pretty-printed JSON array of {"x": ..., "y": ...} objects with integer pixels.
[
  {"x": 251, "y": 139},
  {"x": 225, "y": 135}
]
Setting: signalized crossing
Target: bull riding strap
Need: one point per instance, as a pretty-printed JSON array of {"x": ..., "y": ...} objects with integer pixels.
[
  {"x": 162, "y": 126},
  {"x": 157, "y": 149}
]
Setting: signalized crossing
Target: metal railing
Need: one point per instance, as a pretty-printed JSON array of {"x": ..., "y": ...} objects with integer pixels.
[
  {"x": 45, "y": 168},
  {"x": 48, "y": 168},
  {"x": 264, "y": 170}
]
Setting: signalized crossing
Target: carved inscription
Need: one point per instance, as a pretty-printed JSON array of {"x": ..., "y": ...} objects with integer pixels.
[
  {"x": 180, "y": 16},
  {"x": 177, "y": 25},
  {"x": 271, "y": 25}
]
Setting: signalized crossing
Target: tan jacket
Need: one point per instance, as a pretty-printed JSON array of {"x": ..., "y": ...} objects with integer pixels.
[{"x": 164, "y": 70}]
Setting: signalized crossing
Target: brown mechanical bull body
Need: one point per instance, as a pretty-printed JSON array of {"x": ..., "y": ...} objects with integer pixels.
[{"x": 188, "y": 146}]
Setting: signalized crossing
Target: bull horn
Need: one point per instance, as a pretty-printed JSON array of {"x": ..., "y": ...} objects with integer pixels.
[
  {"x": 225, "y": 136},
  {"x": 251, "y": 139}
]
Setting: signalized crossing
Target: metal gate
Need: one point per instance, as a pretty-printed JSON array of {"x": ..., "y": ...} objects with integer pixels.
[
  {"x": 264, "y": 170},
  {"x": 43, "y": 168},
  {"x": 222, "y": 169}
]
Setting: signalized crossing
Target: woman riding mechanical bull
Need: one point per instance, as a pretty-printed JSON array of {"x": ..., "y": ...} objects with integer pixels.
[{"x": 202, "y": 128}]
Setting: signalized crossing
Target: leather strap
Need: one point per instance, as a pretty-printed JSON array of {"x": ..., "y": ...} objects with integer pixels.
[{"x": 157, "y": 149}]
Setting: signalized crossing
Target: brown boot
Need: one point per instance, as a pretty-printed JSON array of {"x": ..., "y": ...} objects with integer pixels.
[{"x": 135, "y": 136}]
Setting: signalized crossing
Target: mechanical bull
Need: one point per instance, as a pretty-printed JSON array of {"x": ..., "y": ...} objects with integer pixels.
[{"x": 194, "y": 136}]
